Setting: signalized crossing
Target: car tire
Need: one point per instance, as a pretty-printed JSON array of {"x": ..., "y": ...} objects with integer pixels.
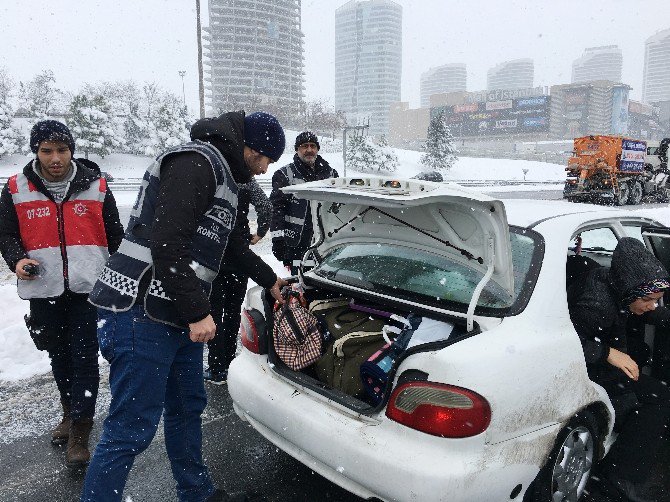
[
  {"x": 565, "y": 475},
  {"x": 621, "y": 199},
  {"x": 635, "y": 194}
]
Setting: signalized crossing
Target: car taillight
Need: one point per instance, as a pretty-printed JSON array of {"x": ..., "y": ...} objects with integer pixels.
[
  {"x": 249, "y": 332},
  {"x": 439, "y": 409}
]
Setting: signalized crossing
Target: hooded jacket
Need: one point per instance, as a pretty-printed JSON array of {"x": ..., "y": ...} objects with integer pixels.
[
  {"x": 84, "y": 230},
  {"x": 598, "y": 311},
  {"x": 186, "y": 192}
]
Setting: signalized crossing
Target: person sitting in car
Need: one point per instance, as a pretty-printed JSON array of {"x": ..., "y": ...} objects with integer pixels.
[{"x": 600, "y": 307}]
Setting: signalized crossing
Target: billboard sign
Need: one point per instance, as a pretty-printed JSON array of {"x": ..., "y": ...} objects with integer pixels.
[
  {"x": 620, "y": 110},
  {"x": 633, "y": 154},
  {"x": 523, "y": 115},
  {"x": 499, "y": 105}
]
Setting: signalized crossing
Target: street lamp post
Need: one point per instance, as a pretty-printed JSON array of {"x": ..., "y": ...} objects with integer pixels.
[{"x": 183, "y": 92}]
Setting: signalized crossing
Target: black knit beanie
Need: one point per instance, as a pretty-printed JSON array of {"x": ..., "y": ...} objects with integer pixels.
[
  {"x": 50, "y": 130},
  {"x": 264, "y": 133},
  {"x": 307, "y": 137}
]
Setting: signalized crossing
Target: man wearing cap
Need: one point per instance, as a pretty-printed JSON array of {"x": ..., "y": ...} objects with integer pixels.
[
  {"x": 291, "y": 226},
  {"x": 154, "y": 309},
  {"x": 58, "y": 225}
]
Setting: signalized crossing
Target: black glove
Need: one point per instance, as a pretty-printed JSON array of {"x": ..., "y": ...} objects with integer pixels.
[{"x": 279, "y": 248}]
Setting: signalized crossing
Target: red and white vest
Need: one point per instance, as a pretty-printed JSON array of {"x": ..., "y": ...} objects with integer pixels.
[{"x": 67, "y": 239}]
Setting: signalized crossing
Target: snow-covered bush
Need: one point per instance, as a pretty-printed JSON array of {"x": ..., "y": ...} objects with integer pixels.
[
  {"x": 169, "y": 125},
  {"x": 11, "y": 137},
  {"x": 364, "y": 155},
  {"x": 137, "y": 130},
  {"x": 440, "y": 153}
]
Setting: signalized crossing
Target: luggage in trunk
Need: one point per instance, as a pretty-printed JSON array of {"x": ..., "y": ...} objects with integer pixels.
[{"x": 354, "y": 337}]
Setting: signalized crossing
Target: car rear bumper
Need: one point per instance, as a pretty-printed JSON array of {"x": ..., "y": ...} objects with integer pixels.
[{"x": 374, "y": 456}]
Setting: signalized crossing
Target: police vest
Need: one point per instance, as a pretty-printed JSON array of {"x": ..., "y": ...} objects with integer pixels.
[
  {"x": 296, "y": 213},
  {"x": 68, "y": 239},
  {"x": 118, "y": 285}
]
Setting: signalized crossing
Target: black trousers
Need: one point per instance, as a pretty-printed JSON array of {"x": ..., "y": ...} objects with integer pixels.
[
  {"x": 228, "y": 290},
  {"x": 640, "y": 429},
  {"x": 74, "y": 359}
]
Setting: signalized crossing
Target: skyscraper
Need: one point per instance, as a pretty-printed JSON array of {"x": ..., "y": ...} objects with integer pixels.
[
  {"x": 598, "y": 63},
  {"x": 656, "y": 78},
  {"x": 446, "y": 78},
  {"x": 515, "y": 74},
  {"x": 255, "y": 51},
  {"x": 368, "y": 60}
]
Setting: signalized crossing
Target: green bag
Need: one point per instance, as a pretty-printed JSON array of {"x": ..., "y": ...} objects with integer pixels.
[{"x": 355, "y": 336}]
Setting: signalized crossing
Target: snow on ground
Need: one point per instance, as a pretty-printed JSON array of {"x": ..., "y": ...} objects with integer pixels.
[{"x": 466, "y": 168}]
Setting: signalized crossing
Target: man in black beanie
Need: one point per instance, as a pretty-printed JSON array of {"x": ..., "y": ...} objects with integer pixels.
[
  {"x": 153, "y": 299},
  {"x": 53, "y": 197},
  {"x": 291, "y": 226}
]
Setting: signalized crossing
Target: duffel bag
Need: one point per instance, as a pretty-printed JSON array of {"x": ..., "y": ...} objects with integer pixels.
[
  {"x": 355, "y": 336},
  {"x": 298, "y": 338}
]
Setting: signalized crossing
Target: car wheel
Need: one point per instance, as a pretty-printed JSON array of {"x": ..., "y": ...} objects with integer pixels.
[
  {"x": 635, "y": 194},
  {"x": 624, "y": 192},
  {"x": 566, "y": 473}
]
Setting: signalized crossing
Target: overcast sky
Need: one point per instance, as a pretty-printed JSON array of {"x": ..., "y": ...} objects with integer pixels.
[{"x": 151, "y": 40}]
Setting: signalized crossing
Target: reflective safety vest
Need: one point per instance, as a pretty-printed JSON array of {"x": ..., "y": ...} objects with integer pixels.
[
  {"x": 68, "y": 239},
  {"x": 296, "y": 212},
  {"x": 118, "y": 285}
]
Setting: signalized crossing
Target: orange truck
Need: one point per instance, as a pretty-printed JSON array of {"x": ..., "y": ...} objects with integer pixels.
[{"x": 610, "y": 169}]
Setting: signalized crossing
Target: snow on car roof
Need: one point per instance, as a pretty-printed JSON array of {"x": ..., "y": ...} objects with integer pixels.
[{"x": 527, "y": 212}]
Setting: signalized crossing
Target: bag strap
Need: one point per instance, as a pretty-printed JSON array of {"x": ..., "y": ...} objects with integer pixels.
[
  {"x": 290, "y": 317},
  {"x": 337, "y": 346}
]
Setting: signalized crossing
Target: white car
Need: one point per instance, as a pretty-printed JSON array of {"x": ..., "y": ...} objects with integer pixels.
[{"x": 505, "y": 411}]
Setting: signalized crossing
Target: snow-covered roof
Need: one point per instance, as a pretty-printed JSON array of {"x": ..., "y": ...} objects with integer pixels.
[{"x": 526, "y": 212}]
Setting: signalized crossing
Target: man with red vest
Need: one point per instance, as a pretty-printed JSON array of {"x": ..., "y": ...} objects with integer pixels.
[{"x": 58, "y": 225}]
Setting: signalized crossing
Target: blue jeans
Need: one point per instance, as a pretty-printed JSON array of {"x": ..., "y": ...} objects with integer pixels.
[
  {"x": 155, "y": 369},
  {"x": 70, "y": 320}
]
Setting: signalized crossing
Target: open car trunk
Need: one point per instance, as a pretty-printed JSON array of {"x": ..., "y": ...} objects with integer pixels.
[
  {"x": 435, "y": 251},
  {"x": 359, "y": 323}
]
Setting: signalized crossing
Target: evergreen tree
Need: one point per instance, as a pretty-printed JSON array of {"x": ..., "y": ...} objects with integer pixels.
[
  {"x": 440, "y": 153},
  {"x": 389, "y": 159},
  {"x": 360, "y": 155},
  {"x": 93, "y": 125}
]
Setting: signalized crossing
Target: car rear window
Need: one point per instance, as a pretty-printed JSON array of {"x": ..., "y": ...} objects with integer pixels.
[{"x": 420, "y": 276}]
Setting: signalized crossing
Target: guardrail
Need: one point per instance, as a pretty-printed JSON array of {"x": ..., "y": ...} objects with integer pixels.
[{"x": 132, "y": 184}]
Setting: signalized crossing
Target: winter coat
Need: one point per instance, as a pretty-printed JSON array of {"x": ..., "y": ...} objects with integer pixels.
[
  {"x": 83, "y": 230},
  {"x": 600, "y": 316},
  {"x": 291, "y": 225},
  {"x": 187, "y": 190}
]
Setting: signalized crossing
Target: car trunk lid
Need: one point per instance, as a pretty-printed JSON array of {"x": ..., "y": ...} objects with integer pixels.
[{"x": 463, "y": 225}]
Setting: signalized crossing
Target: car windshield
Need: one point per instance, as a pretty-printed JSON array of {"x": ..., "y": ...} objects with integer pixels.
[{"x": 417, "y": 275}]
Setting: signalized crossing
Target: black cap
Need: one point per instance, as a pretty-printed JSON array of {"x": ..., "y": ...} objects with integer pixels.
[
  {"x": 307, "y": 137},
  {"x": 50, "y": 130}
]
